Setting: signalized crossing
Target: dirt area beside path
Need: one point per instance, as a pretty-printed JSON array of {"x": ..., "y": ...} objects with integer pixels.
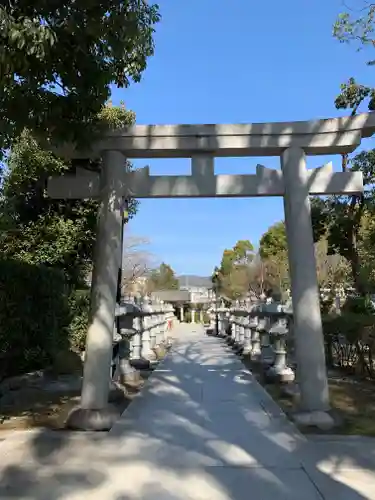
[
  {"x": 352, "y": 401},
  {"x": 44, "y": 399},
  {"x": 44, "y": 406}
]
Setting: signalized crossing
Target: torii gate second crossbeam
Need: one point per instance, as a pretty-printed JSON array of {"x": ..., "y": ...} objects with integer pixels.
[{"x": 203, "y": 183}]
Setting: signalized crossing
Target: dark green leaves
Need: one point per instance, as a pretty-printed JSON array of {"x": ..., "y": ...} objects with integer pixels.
[
  {"x": 59, "y": 58},
  {"x": 38, "y": 230},
  {"x": 352, "y": 95}
]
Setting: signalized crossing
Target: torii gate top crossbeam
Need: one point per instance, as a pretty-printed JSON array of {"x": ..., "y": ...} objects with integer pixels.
[{"x": 315, "y": 137}]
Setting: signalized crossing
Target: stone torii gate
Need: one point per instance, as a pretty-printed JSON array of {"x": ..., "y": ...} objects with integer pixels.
[{"x": 291, "y": 141}]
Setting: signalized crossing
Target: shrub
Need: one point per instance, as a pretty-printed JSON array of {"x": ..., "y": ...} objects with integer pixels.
[
  {"x": 34, "y": 316},
  {"x": 350, "y": 340},
  {"x": 350, "y": 325},
  {"x": 79, "y": 303},
  {"x": 359, "y": 305}
]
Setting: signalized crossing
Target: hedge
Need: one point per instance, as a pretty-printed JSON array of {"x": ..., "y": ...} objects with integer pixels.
[
  {"x": 350, "y": 336},
  {"x": 35, "y": 316}
]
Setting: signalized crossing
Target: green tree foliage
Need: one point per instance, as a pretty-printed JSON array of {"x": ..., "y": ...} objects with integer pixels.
[
  {"x": 244, "y": 252},
  {"x": 241, "y": 254},
  {"x": 273, "y": 252},
  {"x": 273, "y": 242},
  {"x": 353, "y": 94},
  {"x": 39, "y": 230},
  {"x": 359, "y": 30},
  {"x": 58, "y": 60},
  {"x": 332, "y": 270},
  {"x": 272, "y": 269},
  {"x": 232, "y": 277},
  {"x": 163, "y": 278},
  {"x": 45, "y": 236},
  {"x": 346, "y": 222}
]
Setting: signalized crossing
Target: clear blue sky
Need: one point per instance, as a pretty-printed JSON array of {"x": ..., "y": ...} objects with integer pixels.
[{"x": 238, "y": 61}]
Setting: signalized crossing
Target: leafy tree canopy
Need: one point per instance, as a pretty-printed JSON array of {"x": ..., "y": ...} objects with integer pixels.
[
  {"x": 273, "y": 242},
  {"x": 231, "y": 278},
  {"x": 273, "y": 252},
  {"x": 360, "y": 30},
  {"x": 163, "y": 278},
  {"x": 58, "y": 59},
  {"x": 37, "y": 229},
  {"x": 346, "y": 221}
]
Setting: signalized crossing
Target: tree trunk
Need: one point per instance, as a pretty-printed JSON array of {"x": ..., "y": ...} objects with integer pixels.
[
  {"x": 355, "y": 261},
  {"x": 355, "y": 266}
]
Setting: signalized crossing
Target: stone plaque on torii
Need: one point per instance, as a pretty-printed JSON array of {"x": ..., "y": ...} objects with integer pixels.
[{"x": 202, "y": 143}]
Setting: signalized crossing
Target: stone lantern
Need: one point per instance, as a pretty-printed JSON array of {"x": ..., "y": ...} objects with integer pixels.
[
  {"x": 129, "y": 320},
  {"x": 280, "y": 371}
]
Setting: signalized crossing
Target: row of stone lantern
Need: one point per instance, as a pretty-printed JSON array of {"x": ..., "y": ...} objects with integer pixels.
[
  {"x": 259, "y": 332},
  {"x": 264, "y": 333},
  {"x": 141, "y": 335},
  {"x": 142, "y": 332}
]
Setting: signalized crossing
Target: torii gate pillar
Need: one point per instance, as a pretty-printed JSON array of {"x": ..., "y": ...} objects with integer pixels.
[
  {"x": 309, "y": 343},
  {"x": 94, "y": 413}
]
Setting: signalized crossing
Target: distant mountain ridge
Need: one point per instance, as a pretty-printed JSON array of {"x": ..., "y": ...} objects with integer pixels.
[{"x": 191, "y": 280}]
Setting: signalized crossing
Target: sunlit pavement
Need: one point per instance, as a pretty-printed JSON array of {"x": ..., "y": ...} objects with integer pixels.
[{"x": 202, "y": 429}]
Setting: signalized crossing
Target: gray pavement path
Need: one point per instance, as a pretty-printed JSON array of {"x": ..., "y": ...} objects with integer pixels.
[{"x": 201, "y": 429}]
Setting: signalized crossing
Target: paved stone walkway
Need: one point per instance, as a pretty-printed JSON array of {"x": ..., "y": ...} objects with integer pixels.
[{"x": 202, "y": 429}]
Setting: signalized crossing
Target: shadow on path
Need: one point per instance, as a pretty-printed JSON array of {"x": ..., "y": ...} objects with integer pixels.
[{"x": 201, "y": 429}]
